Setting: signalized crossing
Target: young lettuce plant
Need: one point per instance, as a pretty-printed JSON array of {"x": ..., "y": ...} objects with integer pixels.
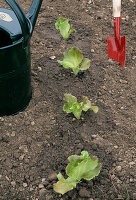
[
  {"x": 79, "y": 167},
  {"x": 64, "y": 27},
  {"x": 72, "y": 106},
  {"x": 73, "y": 58}
]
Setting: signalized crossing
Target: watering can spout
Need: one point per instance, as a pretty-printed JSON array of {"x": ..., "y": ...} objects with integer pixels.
[{"x": 33, "y": 11}]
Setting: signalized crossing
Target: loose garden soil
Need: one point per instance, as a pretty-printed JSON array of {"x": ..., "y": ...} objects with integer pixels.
[{"x": 35, "y": 144}]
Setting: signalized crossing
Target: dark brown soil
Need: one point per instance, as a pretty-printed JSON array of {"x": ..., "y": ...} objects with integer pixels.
[{"x": 35, "y": 144}]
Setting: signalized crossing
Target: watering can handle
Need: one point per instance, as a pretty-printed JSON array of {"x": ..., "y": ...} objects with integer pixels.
[
  {"x": 33, "y": 11},
  {"x": 116, "y": 8},
  {"x": 21, "y": 18}
]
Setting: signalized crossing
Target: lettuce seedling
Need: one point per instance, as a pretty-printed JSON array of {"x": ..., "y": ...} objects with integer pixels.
[
  {"x": 72, "y": 106},
  {"x": 79, "y": 167},
  {"x": 73, "y": 58},
  {"x": 64, "y": 27}
]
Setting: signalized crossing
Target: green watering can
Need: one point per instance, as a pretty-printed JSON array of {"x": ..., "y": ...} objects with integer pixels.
[{"x": 15, "y": 64}]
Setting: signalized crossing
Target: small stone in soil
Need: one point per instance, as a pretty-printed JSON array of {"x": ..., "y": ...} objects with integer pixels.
[
  {"x": 13, "y": 183},
  {"x": 13, "y": 134},
  {"x": 84, "y": 193},
  {"x": 52, "y": 57},
  {"x": 41, "y": 186},
  {"x": 94, "y": 136},
  {"x": 33, "y": 123},
  {"x": 52, "y": 176},
  {"x": 40, "y": 69},
  {"x": 118, "y": 168},
  {"x": 24, "y": 184}
]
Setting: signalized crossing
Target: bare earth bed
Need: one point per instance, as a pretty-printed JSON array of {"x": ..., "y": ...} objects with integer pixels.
[{"x": 35, "y": 144}]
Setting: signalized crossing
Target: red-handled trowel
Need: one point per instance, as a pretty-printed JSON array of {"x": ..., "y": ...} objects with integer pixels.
[{"x": 117, "y": 44}]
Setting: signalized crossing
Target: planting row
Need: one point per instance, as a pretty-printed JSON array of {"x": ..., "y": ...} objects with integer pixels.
[{"x": 83, "y": 166}]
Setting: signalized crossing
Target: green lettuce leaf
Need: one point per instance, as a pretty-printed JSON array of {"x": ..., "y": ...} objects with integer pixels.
[
  {"x": 79, "y": 167},
  {"x": 70, "y": 98},
  {"x": 71, "y": 103},
  {"x": 72, "y": 106},
  {"x": 85, "y": 167},
  {"x": 64, "y": 185},
  {"x": 87, "y": 105},
  {"x": 85, "y": 64},
  {"x": 64, "y": 27},
  {"x": 72, "y": 58}
]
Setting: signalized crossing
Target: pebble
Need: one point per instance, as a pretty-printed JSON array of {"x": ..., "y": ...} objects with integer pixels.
[
  {"x": 52, "y": 57},
  {"x": 7, "y": 178},
  {"x": 43, "y": 180},
  {"x": 123, "y": 81},
  {"x": 52, "y": 176},
  {"x": 131, "y": 180},
  {"x": 33, "y": 123},
  {"x": 92, "y": 50},
  {"x": 24, "y": 185},
  {"x": 41, "y": 186},
  {"x": 84, "y": 193},
  {"x": 31, "y": 189},
  {"x": 13, "y": 183},
  {"x": 90, "y": 1},
  {"x": 40, "y": 69},
  {"x": 119, "y": 159},
  {"x": 2, "y": 119},
  {"x": 132, "y": 163},
  {"x": 94, "y": 136},
  {"x": 127, "y": 17},
  {"x": 21, "y": 157},
  {"x": 118, "y": 168},
  {"x": 13, "y": 134}
]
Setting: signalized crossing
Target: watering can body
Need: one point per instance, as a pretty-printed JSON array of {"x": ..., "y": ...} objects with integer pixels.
[{"x": 15, "y": 63}]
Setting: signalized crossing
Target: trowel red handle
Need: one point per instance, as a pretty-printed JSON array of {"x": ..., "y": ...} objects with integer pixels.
[
  {"x": 117, "y": 31},
  {"x": 117, "y": 19}
]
